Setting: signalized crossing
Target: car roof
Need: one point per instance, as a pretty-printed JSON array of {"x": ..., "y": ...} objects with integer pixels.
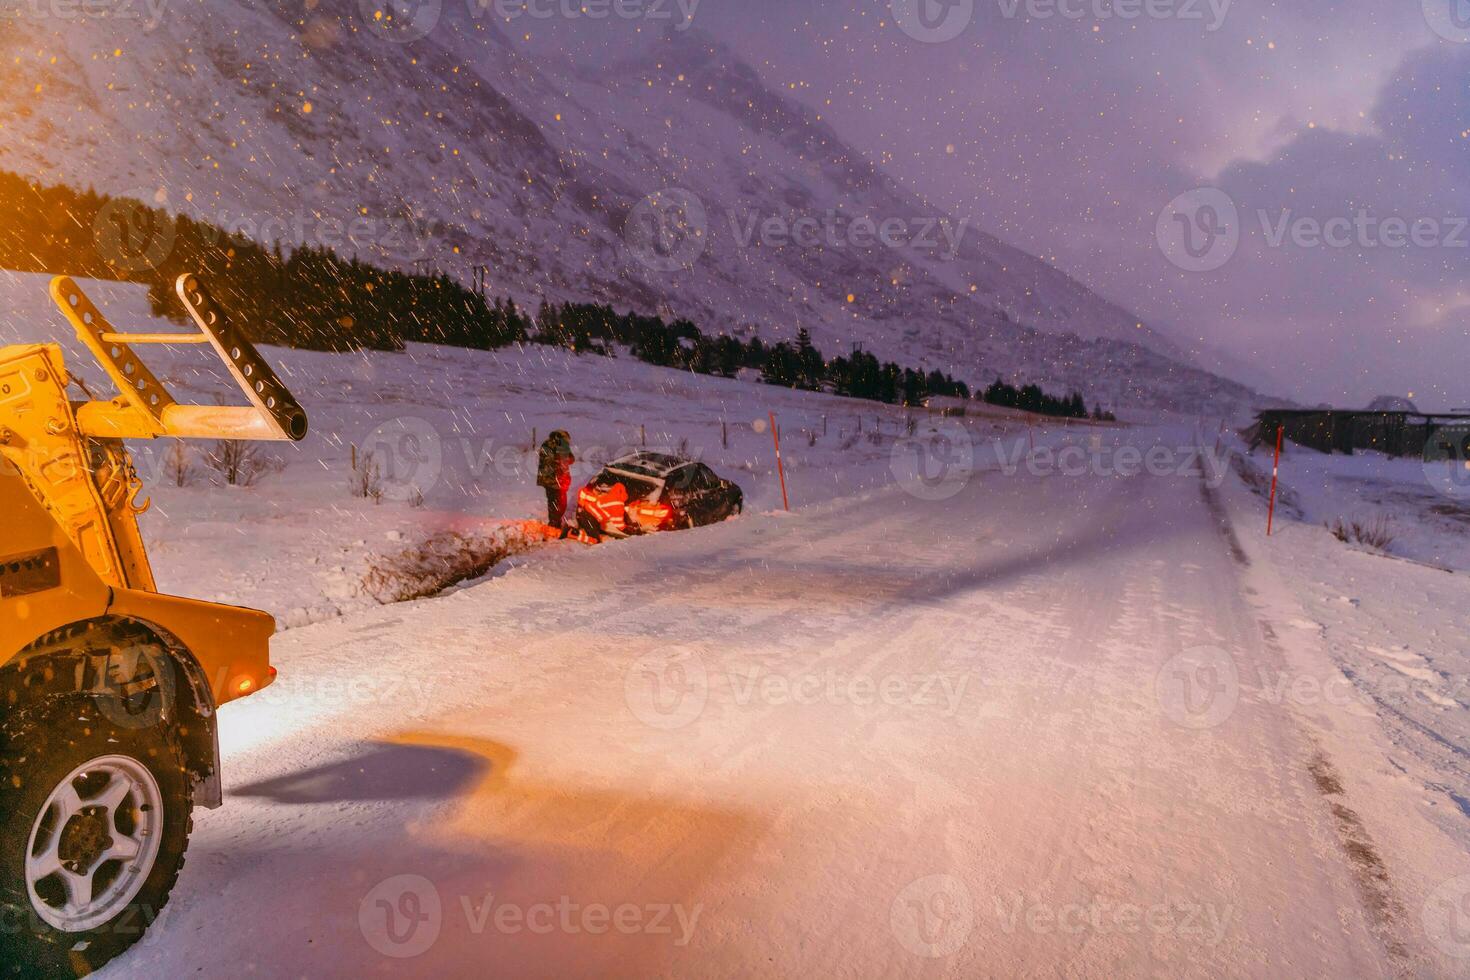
[{"x": 649, "y": 463}]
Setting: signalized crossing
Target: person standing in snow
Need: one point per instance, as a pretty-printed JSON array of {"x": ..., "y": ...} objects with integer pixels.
[{"x": 554, "y": 473}]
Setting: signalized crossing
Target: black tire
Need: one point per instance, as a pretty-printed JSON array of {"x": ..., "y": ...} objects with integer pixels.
[{"x": 37, "y": 751}]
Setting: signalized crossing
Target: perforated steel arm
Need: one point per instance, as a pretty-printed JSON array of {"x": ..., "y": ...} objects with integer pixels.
[{"x": 145, "y": 409}]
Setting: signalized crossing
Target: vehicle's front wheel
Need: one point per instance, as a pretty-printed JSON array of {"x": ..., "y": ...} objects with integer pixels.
[{"x": 94, "y": 821}]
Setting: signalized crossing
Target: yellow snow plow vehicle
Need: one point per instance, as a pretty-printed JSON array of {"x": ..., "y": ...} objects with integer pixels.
[{"x": 108, "y": 690}]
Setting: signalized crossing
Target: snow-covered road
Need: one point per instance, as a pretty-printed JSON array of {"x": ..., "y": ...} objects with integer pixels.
[{"x": 1010, "y": 732}]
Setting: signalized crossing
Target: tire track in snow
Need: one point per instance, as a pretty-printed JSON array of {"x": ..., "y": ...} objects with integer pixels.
[{"x": 1375, "y": 887}]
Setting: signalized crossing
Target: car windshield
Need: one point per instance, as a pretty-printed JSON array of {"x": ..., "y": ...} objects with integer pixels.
[{"x": 683, "y": 479}]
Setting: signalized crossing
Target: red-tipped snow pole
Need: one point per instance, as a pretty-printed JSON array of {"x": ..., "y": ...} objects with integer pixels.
[
  {"x": 776, "y": 437},
  {"x": 1275, "y": 472}
]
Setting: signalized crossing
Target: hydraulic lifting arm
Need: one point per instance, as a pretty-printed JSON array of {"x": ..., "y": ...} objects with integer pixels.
[
  {"x": 71, "y": 455},
  {"x": 145, "y": 409}
]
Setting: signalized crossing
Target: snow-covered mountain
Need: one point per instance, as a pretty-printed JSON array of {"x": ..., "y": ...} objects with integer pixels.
[{"x": 675, "y": 181}]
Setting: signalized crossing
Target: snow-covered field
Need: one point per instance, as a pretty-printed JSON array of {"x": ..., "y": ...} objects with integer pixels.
[
  {"x": 1393, "y": 623},
  {"x": 457, "y": 427},
  {"x": 971, "y": 710},
  {"x": 1425, "y": 507}
]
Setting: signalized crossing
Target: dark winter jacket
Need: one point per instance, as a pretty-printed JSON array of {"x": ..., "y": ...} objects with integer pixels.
[{"x": 554, "y": 467}]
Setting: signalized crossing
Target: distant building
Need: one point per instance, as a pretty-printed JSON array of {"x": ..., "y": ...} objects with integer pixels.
[
  {"x": 948, "y": 405},
  {"x": 1394, "y": 432}
]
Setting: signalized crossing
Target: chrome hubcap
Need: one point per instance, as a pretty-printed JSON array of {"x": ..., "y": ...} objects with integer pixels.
[{"x": 94, "y": 843}]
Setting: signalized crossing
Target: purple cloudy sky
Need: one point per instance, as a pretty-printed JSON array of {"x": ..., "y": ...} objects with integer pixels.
[{"x": 1068, "y": 135}]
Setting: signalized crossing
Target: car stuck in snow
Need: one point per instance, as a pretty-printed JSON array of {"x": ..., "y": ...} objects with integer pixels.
[{"x": 646, "y": 492}]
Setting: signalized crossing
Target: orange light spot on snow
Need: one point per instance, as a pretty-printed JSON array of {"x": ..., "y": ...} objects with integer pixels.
[
  {"x": 306, "y": 108},
  {"x": 851, "y": 298}
]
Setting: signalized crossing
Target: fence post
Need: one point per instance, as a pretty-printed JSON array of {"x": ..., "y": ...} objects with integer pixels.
[
  {"x": 780, "y": 468},
  {"x": 1275, "y": 472}
]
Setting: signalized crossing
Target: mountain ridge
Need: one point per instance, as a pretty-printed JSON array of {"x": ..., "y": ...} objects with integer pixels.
[{"x": 304, "y": 119}]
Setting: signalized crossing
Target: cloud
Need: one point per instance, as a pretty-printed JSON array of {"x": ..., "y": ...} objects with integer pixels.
[{"x": 1067, "y": 136}]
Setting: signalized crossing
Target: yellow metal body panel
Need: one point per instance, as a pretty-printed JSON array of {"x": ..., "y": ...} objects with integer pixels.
[
  {"x": 26, "y": 528},
  {"x": 230, "y": 644},
  {"x": 86, "y": 485}
]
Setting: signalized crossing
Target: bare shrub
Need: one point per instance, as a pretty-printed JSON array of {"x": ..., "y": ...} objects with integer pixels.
[
  {"x": 178, "y": 464},
  {"x": 443, "y": 560},
  {"x": 367, "y": 477},
  {"x": 240, "y": 464},
  {"x": 1376, "y": 534}
]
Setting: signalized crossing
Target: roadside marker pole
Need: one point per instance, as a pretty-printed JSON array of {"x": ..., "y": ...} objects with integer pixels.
[
  {"x": 1275, "y": 471},
  {"x": 780, "y": 468}
]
